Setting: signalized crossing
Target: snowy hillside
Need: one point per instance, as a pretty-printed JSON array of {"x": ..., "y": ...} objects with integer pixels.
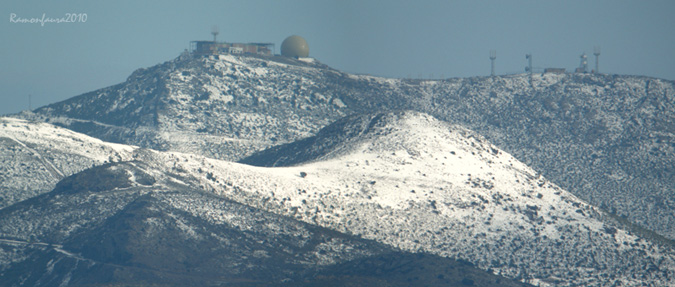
[
  {"x": 146, "y": 221},
  {"x": 35, "y": 156},
  {"x": 222, "y": 106},
  {"x": 608, "y": 139},
  {"x": 403, "y": 179},
  {"x": 605, "y": 138},
  {"x": 411, "y": 181}
]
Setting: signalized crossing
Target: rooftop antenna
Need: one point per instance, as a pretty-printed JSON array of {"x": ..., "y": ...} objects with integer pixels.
[
  {"x": 596, "y": 52},
  {"x": 583, "y": 65},
  {"x": 493, "y": 56},
  {"x": 528, "y": 69},
  {"x": 214, "y": 31},
  {"x": 529, "y": 63}
]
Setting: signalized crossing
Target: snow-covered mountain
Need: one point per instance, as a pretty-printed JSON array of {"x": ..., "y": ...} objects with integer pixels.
[
  {"x": 221, "y": 106},
  {"x": 420, "y": 184},
  {"x": 145, "y": 220},
  {"x": 608, "y": 139},
  {"x": 402, "y": 179}
]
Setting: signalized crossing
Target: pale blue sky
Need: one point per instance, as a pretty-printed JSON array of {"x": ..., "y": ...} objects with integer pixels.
[{"x": 385, "y": 38}]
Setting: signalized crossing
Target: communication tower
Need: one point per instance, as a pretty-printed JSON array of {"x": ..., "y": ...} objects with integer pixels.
[
  {"x": 528, "y": 69},
  {"x": 583, "y": 64},
  {"x": 529, "y": 63},
  {"x": 214, "y": 32},
  {"x": 596, "y": 52},
  {"x": 493, "y": 56}
]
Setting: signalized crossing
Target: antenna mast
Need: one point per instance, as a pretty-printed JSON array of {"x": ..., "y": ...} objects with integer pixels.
[
  {"x": 493, "y": 56},
  {"x": 528, "y": 69},
  {"x": 214, "y": 31},
  {"x": 583, "y": 65},
  {"x": 596, "y": 52}
]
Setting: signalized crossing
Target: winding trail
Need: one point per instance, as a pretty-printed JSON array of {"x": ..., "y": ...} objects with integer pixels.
[{"x": 53, "y": 170}]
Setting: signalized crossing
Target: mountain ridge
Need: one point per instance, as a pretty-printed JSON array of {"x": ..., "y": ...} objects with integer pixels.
[{"x": 402, "y": 178}]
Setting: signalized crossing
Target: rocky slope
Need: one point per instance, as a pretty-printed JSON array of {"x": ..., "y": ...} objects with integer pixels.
[
  {"x": 221, "y": 106},
  {"x": 606, "y": 138},
  {"x": 118, "y": 225},
  {"x": 402, "y": 179},
  {"x": 430, "y": 184},
  {"x": 147, "y": 222}
]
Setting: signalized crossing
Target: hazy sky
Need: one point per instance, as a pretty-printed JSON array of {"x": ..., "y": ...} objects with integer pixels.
[{"x": 56, "y": 61}]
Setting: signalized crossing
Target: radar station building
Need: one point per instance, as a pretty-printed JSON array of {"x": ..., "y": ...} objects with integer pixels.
[
  {"x": 292, "y": 47},
  {"x": 214, "y": 48}
]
